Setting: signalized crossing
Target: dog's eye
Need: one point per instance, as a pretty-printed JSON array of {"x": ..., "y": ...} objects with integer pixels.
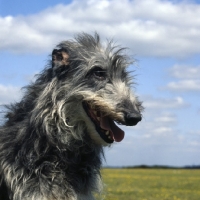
[{"x": 99, "y": 73}]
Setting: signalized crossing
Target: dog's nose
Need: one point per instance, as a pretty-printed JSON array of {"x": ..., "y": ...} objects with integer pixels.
[{"x": 131, "y": 119}]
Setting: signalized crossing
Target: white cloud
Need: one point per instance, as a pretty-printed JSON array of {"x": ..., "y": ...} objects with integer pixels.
[
  {"x": 9, "y": 94},
  {"x": 151, "y": 102},
  {"x": 185, "y": 72},
  {"x": 166, "y": 119},
  {"x": 184, "y": 85},
  {"x": 195, "y": 132},
  {"x": 158, "y": 28},
  {"x": 187, "y": 78},
  {"x": 162, "y": 130}
]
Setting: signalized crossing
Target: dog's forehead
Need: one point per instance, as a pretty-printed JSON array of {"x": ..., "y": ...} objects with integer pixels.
[{"x": 107, "y": 59}]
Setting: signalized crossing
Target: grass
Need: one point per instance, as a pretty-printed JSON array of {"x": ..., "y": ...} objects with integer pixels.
[{"x": 151, "y": 184}]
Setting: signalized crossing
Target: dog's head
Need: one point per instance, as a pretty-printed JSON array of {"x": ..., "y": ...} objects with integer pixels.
[{"x": 97, "y": 87}]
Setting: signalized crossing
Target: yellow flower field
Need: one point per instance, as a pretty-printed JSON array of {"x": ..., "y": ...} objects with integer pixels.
[{"x": 151, "y": 184}]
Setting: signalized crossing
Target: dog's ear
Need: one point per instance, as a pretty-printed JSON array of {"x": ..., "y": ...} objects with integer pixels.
[{"x": 59, "y": 58}]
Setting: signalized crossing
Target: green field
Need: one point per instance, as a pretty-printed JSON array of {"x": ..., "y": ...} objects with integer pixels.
[{"x": 151, "y": 184}]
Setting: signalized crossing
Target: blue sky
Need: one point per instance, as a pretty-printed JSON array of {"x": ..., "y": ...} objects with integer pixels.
[{"x": 164, "y": 38}]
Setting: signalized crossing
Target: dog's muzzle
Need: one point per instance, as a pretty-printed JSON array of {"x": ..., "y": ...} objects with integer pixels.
[
  {"x": 131, "y": 119},
  {"x": 105, "y": 124}
]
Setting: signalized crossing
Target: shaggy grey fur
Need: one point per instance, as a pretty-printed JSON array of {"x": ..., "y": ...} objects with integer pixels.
[{"x": 51, "y": 143}]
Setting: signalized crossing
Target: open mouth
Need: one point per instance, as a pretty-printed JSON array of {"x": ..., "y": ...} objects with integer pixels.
[{"x": 104, "y": 125}]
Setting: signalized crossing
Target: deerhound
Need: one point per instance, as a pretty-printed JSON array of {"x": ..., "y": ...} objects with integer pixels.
[{"x": 51, "y": 142}]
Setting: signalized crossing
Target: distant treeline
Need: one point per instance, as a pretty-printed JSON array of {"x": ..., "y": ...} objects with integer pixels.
[
  {"x": 156, "y": 167},
  {"x": 164, "y": 167}
]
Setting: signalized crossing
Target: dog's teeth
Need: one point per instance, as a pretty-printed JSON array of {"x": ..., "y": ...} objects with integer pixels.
[
  {"x": 98, "y": 118},
  {"x": 95, "y": 112},
  {"x": 107, "y": 132},
  {"x": 109, "y": 137}
]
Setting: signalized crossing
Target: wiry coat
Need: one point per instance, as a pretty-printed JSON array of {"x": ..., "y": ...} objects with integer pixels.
[{"x": 51, "y": 141}]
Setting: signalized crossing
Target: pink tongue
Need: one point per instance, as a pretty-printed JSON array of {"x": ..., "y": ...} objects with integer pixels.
[{"x": 107, "y": 124}]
